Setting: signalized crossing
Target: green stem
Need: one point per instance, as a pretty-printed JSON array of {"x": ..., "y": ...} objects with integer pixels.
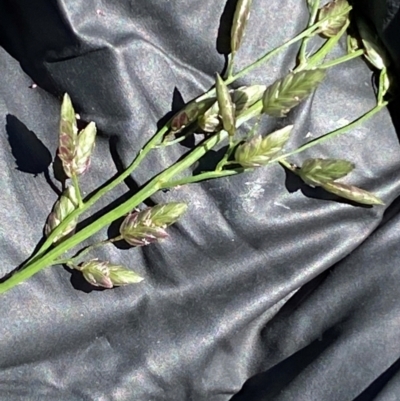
[
  {"x": 203, "y": 177},
  {"x": 179, "y": 139},
  {"x": 42, "y": 259},
  {"x": 93, "y": 199},
  {"x": 152, "y": 187},
  {"x": 342, "y": 59},
  {"x": 85, "y": 251},
  {"x": 267, "y": 56},
  {"x": 332, "y": 134},
  {"x": 303, "y": 47},
  {"x": 229, "y": 70},
  {"x": 288, "y": 165},
  {"x": 281, "y": 158},
  {"x": 382, "y": 88},
  {"x": 229, "y": 151},
  {"x": 192, "y": 157},
  {"x": 75, "y": 183},
  {"x": 325, "y": 49}
]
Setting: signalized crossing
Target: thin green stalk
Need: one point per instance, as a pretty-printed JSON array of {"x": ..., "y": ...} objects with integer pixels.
[
  {"x": 229, "y": 151},
  {"x": 85, "y": 251},
  {"x": 288, "y": 165},
  {"x": 382, "y": 89},
  {"x": 303, "y": 47},
  {"x": 179, "y": 139},
  {"x": 75, "y": 183},
  {"x": 267, "y": 56},
  {"x": 281, "y": 158},
  {"x": 343, "y": 59},
  {"x": 325, "y": 49},
  {"x": 203, "y": 177},
  {"x": 272, "y": 53},
  {"x": 229, "y": 70},
  {"x": 332, "y": 134},
  {"x": 152, "y": 187},
  {"x": 94, "y": 198},
  {"x": 192, "y": 157}
]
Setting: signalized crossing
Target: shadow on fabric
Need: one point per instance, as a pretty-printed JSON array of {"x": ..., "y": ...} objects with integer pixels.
[
  {"x": 31, "y": 155},
  {"x": 269, "y": 384},
  {"x": 378, "y": 385},
  {"x": 223, "y": 44},
  {"x": 48, "y": 34},
  {"x": 294, "y": 183}
]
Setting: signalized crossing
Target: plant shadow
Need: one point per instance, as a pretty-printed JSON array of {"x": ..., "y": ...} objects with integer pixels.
[
  {"x": 30, "y": 154},
  {"x": 223, "y": 44},
  {"x": 177, "y": 105}
]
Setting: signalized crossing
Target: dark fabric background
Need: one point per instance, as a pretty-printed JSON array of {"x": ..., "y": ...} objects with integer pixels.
[{"x": 266, "y": 290}]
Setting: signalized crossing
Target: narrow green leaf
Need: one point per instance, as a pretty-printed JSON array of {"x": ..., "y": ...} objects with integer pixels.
[
  {"x": 226, "y": 106},
  {"x": 352, "y": 193},
  {"x": 319, "y": 171},
  {"x": 334, "y": 24},
  {"x": 258, "y": 151},
  {"x": 240, "y": 18},
  {"x": 288, "y": 92}
]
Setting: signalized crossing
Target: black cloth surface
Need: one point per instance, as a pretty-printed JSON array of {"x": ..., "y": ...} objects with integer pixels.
[{"x": 266, "y": 289}]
